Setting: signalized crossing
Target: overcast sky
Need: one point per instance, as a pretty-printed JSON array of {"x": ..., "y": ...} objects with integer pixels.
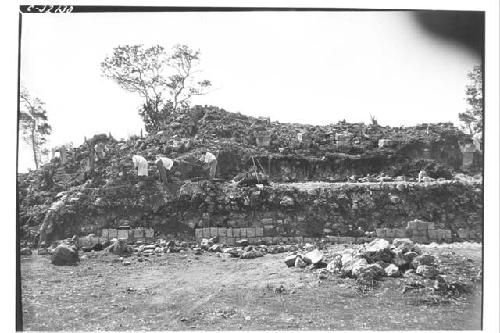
[{"x": 309, "y": 67}]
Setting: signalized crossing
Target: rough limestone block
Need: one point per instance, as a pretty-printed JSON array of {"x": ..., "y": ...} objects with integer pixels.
[
  {"x": 308, "y": 240},
  {"x": 236, "y": 232},
  {"x": 205, "y": 232},
  {"x": 198, "y": 233},
  {"x": 259, "y": 232},
  {"x": 221, "y": 232},
  {"x": 284, "y": 240},
  {"x": 222, "y": 240},
  {"x": 122, "y": 234},
  {"x": 213, "y": 232},
  {"x": 243, "y": 232},
  {"x": 276, "y": 240},
  {"x": 420, "y": 233},
  {"x": 229, "y": 232},
  {"x": 139, "y": 233},
  {"x": 431, "y": 226},
  {"x": 230, "y": 241},
  {"x": 104, "y": 233},
  {"x": 251, "y": 240},
  {"x": 389, "y": 233},
  {"x": 112, "y": 233},
  {"x": 251, "y": 232}
]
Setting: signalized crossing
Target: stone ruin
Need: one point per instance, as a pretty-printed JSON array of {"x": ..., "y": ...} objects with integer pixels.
[{"x": 343, "y": 182}]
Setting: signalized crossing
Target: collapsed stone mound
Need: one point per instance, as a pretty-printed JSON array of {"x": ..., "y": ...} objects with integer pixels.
[{"x": 64, "y": 197}]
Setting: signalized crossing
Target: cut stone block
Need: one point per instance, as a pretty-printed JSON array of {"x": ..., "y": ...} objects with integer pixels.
[
  {"x": 431, "y": 225},
  {"x": 259, "y": 232},
  {"x": 447, "y": 234},
  {"x": 198, "y": 233},
  {"x": 213, "y": 232},
  {"x": 463, "y": 234},
  {"x": 433, "y": 234},
  {"x": 400, "y": 233},
  {"x": 112, "y": 233},
  {"x": 205, "y": 232},
  {"x": 243, "y": 232},
  {"x": 222, "y": 240},
  {"x": 221, "y": 232},
  {"x": 122, "y": 234},
  {"x": 229, "y": 232},
  {"x": 138, "y": 233},
  {"x": 104, "y": 233},
  {"x": 267, "y": 221},
  {"x": 380, "y": 233},
  {"x": 236, "y": 232},
  {"x": 149, "y": 233},
  {"x": 268, "y": 240},
  {"x": 230, "y": 241},
  {"x": 83, "y": 242},
  {"x": 250, "y": 232}
]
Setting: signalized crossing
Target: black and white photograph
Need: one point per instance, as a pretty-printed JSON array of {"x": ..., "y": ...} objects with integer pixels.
[{"x": 257, "y": 168}]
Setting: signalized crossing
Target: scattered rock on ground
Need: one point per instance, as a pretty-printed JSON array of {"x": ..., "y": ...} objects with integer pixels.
[
  {"x": 65, "y": 254},
  {"x": 392, "y": 271}
]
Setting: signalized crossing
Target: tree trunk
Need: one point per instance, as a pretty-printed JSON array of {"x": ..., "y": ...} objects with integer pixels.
[{"x": 34, "y": 145}]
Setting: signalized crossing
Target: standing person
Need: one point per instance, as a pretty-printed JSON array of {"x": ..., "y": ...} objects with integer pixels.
[
  {"x": 211, "y": 162},
  {"x": 164, "y": 165},
  {"x": 421, "y": 175},
  {"x": 141, "y": 164}
]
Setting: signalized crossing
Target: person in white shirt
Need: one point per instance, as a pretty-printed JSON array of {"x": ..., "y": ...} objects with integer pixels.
[
  {"x": 211, "y": 163},
  {"x": 141, "y": 164},
  {"x": 421, "y": 176},
  {"x": 164, "y": 165}
]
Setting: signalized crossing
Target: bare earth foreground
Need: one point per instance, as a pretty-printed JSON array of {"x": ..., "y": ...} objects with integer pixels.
[{"x": 183, "y": 291}]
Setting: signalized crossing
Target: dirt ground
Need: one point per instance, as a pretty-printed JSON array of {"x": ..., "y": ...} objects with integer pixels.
[{"x": 183, "y": 291}]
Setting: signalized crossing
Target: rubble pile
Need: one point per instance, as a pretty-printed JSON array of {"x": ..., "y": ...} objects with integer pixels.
[{"x": 371, "y": 262}]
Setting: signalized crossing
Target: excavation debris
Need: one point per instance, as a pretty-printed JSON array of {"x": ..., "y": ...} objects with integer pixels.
[{"x": 370, "y": 262}]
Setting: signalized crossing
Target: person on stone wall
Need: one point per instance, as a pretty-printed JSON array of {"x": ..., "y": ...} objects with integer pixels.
[
  {"x": 210, "y": 162},
  {"x": 164, "y": 165},
  {"x": 141, "y": 164},
  {"x": 421, "y": 175}
]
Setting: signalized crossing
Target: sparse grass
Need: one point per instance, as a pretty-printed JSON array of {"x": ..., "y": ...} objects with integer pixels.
[{"x": 187, "y": 292}]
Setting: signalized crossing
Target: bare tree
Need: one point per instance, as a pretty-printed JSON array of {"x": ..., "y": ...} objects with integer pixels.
[
  {"x": 182, "y": 87},
  {"x": 153, "y": 73},
  {"x": 34, "y": 124}
]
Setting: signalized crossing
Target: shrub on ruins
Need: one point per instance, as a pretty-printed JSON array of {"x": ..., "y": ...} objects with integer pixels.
[{"x": 472, "y": 118}]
